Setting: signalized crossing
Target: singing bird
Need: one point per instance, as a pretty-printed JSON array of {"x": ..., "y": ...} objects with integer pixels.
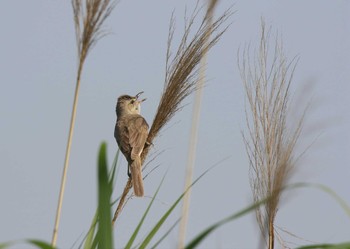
[{"x": 131, "y": 132}]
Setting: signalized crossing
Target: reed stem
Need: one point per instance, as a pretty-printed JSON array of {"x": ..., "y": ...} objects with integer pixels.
[{"x": 66, "y": 161}]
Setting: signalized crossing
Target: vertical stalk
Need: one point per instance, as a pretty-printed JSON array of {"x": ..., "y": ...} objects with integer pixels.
[
  {"x": 88, "y": 25},
  {"x": 194, "y": 131},
  {"x": 271, "y": 234},
  {"x": 66, "y": 161},
  {"x": 191, "y": 154}
]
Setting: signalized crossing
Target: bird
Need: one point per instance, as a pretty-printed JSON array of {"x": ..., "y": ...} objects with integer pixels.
[{"x": 131, "y": 133}]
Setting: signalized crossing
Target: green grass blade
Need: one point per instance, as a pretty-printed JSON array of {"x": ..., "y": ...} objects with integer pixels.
[
  {"x": 95, "y": 241},
  {"x": 112, "y": 175},
  {"x": 334, "y": 195},
  {"x": 244, "y": 211},
  {"x": 199, "y": 238},
  {"x": 5, "y": 244},
  {"x": 104, "y": 197},
  {"x": 90, "y": 235},
  {"x": 133, "y": 237},
  {"x": 345, "y": 245},
  {"x": 166, "y": 234},
  {"x": 40, "y": 244},
  {"x": 166, "y": 215},
  {"x": 344, "y": 205},
  {"x": 114, "y": 170}
]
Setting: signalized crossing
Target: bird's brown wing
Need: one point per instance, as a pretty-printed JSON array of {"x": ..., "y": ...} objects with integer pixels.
[
  {"x": 122, "y": 136},
  {"x": 138, "y": 133}
]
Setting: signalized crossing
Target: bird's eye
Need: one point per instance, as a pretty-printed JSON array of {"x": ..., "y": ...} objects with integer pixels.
[{"x": 132, "y": 101}]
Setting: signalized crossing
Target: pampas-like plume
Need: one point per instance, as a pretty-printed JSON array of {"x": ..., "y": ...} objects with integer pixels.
[
  {"x": 88, "y": 19},
  {"x": 181, "y": 76},
  {"x": 270, "y": 142}
]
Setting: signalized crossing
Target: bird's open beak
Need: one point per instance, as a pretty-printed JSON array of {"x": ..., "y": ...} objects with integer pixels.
[{"x": 138, "y": 95}]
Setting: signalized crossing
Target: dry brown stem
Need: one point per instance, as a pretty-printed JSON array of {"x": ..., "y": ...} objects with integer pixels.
[
  {"x": 181, "y": 76},
  {"x": 88, "y": 18},
  {"x": 270, "y": 142}
]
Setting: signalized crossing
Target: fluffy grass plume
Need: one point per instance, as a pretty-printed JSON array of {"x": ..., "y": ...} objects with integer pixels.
[
  {"x": 270, "y": 142},
  {"x": 181, "y": 76}
]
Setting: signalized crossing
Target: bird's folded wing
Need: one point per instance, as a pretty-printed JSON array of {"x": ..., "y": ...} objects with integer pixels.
[{"x": 138, "y": 133}]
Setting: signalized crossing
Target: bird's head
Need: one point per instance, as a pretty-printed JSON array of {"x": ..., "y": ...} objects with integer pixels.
[{"x": 129, "y": 104}]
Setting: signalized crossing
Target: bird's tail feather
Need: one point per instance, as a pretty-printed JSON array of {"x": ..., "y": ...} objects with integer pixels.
[{"x": 136, "y": 176}]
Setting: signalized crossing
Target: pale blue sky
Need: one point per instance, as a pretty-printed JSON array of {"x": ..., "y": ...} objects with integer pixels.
[{"x": 38, "y": 70}]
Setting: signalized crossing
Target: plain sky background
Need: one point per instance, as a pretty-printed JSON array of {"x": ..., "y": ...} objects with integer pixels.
[{"x": 37, "y": 78}]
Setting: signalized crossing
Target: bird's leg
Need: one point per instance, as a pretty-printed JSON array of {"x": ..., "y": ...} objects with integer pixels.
[
  {"x": 147, "y": 144},
  {"x": 128, "y": 171}
]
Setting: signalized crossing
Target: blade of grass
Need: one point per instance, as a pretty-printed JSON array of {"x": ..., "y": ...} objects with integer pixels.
[
  {"x": 89, "y": 238},
  {"x": 90, "y": 235},
  {"x": 166, "y": 234},
  {"x": 133, "y": 236},
  {"x": 334, "y": 195},
  {"x": 104, "y": 197},
  {"x": 345, "y": 245},
  {"x": 326, "y": 190},
  {"x": 5, "y": 245},
  {"x": 96, "y": 239},
  {"x": 166, "y": 215},
  {"x": 114, "y": 170},
  {"x": 40, "y": 244},
  {"x": 199, "y": 238}
]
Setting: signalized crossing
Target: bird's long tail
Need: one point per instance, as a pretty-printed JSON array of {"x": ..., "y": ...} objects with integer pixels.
[{"x": 136, "y": 176}]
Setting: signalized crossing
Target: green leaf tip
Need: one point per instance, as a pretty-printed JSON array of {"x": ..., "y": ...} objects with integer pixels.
[{"x": 104, "y": 197}]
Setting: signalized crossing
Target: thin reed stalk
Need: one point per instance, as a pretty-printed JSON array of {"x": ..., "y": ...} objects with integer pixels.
[
  {"x": 181, "y": 77},
  {"x": 271, "y": 139},
  {"x": 194, "y": 135},
  {"x": 88, "y": 20}
]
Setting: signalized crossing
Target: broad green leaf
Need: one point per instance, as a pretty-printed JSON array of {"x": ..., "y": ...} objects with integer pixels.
[
  {"x": 89, "y": 238},
  {"x": 104, "y": 197}
]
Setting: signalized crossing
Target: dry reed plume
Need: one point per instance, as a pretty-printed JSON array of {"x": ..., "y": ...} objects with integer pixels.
[
  {"x": 181, "y": 76},
  {"x": 88, "y": 18},
  {"x": 270, "y": 141}
]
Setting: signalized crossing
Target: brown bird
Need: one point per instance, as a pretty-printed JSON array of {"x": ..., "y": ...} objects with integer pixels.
[{"x": 131, "y": 132}]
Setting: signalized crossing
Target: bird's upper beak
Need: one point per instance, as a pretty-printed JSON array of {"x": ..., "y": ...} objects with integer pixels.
[{"x": 138, "y": 95}]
